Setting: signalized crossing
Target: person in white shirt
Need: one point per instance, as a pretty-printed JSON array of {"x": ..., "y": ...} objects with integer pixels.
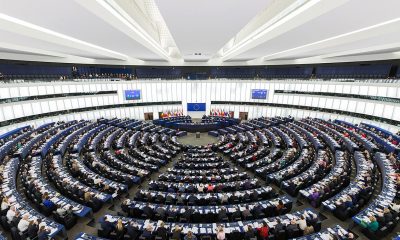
[
  {"x": 5, "y": 204},
  {"x": 23, "y": 223},
  {"x": 41, "y": 223},
  {"x": 200, "y": 188},
  {"x": 224, "y": 198},
  {"x": 61, "y": 211},
  {"x": 97, "y": 181},
  {"x": 11, "y": 214},
  {"x": 302, "y": 223},
  {"x": 395, "y": 207}
]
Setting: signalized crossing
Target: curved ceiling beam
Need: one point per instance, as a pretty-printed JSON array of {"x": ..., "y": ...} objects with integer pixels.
[
  {"x": 380, "y": 29},
  {"x": 134, "y": 24},
  {"x": 27, "y": 29},
  {"x": 293, "y": 15}
]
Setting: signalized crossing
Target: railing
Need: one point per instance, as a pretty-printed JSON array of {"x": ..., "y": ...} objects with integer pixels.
[
  {"x": 39, "y": 80},
  {"x": 315, "y": 109}
]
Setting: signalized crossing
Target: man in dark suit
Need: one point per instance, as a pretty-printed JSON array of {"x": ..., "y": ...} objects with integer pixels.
[
  {"x": 147, "y": 232},
  {"x": 254, "y": 196},
  {"x": 172, "y": 213},
  {"x": 312, "y": 218},
  {"x": 107, "y": 226},
  {"x": 292, "y": 187},
  {"x": 187, "y": 214},
  {"x": 148, "y": 211},
  {"x": 190, "y": 189},
  {"x": 148, "y": 197},
  {"x": 279, "y": 226},
  {"x": 139, "y": 195},
  {"x": 388, "y": 216},
  {"x": 162, "y": 231},
  {"x": 233, "y": 198},
  {"x": 192, "y": 199},
  {"x": 222, "y": 214},
  {"x": 364, "y": 192},
  {"x": 236, "y": 214},
  {"x": 257, "y": 211},
  {"x": 153, "y": 186},
  {"x": 246, "y": 213},
  {"x": 133, "y": 230},
  {"x": 169, "y": 198},
  {"x": 160, "y": 198},
  {"x": 33, "y": 229},
  {"x": 212, "y": 200},
  {"x": 161, "y": 211},
  {"x": 246, "y": 196},
  {"x": 179, "y": 199},
  {"x": 292, "y": 227}
]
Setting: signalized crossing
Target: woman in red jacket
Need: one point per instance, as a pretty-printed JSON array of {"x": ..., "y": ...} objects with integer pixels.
[{"x": 263, "y": 231}]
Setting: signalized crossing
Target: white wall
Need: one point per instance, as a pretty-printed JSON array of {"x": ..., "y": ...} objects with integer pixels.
[
  {"x": 126, "y": 112},
  {"x": 256, "y": 111},
  {"x": 201, "y": 91}
]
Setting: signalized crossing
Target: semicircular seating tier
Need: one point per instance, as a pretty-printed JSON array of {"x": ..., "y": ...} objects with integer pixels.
[{"x": 277, "y": 173}]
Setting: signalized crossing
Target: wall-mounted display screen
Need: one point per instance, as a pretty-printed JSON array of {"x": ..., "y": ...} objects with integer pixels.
[
  {"x": 259, "y": 93},
  {"x": 132, "y": 94},
  {"x": 196, "y": 107}
]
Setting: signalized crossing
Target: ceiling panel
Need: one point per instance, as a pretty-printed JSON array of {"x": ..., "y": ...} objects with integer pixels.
[
  {"x": 22, "y": 40},
  {"x": 200, "y": 29},
  {"x": 360, "y": 44},
  {"x": 70, "y": 18},
  {"x": 353, "y": 15},
  {"x": 205, "y": 26},
  {"x": 15, "y": 51}
]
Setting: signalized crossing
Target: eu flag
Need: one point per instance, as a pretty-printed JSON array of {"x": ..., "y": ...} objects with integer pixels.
[{"x": 196, "y": 107}]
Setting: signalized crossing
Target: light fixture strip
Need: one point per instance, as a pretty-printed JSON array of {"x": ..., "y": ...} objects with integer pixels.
[
  {"x": 56, "y": 34},
  {"x": 294, "y": 9},
  {"x": 338, "y": 36},
  {"x": 127, "y": 20}
]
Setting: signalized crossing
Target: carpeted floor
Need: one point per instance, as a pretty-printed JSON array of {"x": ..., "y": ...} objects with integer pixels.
[{"x": 203, "y": 140}]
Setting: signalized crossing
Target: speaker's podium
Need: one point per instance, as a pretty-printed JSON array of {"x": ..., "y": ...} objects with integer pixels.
[{"x": 197, "y": 134}]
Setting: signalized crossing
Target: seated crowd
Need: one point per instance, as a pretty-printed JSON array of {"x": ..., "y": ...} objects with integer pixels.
[
  {"x": 70, "y": 189},
  {"x": 67, "y": 170}
]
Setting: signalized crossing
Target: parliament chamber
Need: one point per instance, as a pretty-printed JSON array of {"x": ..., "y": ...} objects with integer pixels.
[{"x": 199, "y": 120}]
